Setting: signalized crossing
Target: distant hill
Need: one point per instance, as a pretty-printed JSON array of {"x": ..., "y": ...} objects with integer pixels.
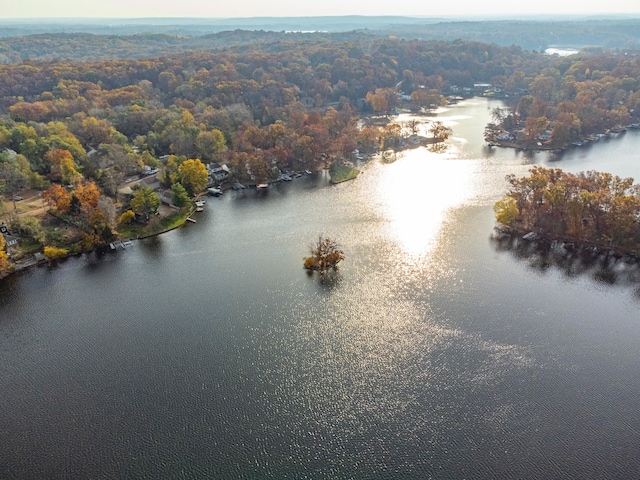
[
  {"x": 138, "y": 38},
  {"x": 204, "y": 26}
]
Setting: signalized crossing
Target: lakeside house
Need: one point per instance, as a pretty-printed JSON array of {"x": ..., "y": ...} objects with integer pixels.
[
  {"x": 11, "y": 241},
  {"x": 217, "y": 172},
  {"x": 166, "y": 196},
  {"x": 12, "y": 244},
  {"x": 151, "y": 181},
  {"x": 10, "y": 152}
]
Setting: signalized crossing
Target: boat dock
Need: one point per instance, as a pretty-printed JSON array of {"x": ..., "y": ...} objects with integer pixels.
[{"x": 120, "y": 245}]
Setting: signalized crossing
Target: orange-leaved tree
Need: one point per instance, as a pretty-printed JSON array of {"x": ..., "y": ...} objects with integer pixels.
[
  {"x": 325, "y": 254},
  {"x": 62, "y": 167},
  {"x": 57, "y": 197}
]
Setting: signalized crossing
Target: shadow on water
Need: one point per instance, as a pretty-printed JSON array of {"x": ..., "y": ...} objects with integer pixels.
[
  {"x": 602, "y": 266},
  {"x": 440, "y": 147},
  {"x": 326, "y": 281},
  {"x": 152, "y": 247},
  {"x": 95, "y": 261}
]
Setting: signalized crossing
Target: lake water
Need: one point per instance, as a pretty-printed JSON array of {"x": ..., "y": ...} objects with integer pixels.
[
  {"x": 561, "y": 51},
  {"x": 209, "y": 352}
]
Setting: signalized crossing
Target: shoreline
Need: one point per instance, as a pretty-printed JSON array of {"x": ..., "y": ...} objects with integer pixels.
[
  {"x": 594, "y": 138},
  {"x": 548, "y": 240},
  {"x": 422, "y": 141},
  {"x": 34, "y": 261}
]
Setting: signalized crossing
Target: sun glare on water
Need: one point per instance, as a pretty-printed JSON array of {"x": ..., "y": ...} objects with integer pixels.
[{"x": 417, "y": 193}]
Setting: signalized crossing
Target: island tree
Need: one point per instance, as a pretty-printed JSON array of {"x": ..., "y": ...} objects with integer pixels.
[
  {"x": 439, "y": 131},
  {"x": 325, "y": 255}
]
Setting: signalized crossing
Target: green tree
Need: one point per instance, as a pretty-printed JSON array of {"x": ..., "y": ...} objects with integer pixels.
[
  {"x": 180, "y": 196},
  {"x": 208, "y": 144},
  {"x": 28, "y": 227},
  {"x": 145, "y": 202}
]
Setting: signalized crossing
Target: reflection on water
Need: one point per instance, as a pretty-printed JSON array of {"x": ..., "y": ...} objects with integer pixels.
[
  {"x": 417, "y": 192},
  {"x": 561, "y": 52},
  {"x": 209, "y": 353},
  {"x": 573, "y": 260}
]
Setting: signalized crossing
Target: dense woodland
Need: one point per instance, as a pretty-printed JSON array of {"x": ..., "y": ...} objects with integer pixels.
[
  {"x": 577, "y": 97},
  {"x": 77, "y": 130},
  {"x": 95, "y": 40},
  {"x": 591, "y": 208}
]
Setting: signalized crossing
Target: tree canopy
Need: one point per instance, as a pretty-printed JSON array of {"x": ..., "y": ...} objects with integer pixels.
[
  {"x": 193, "y": 176},
  {"x": 85, "y": 127},
  {"x": 3, "y": 255},
  {"x": 325, "y": 254},
  {"x": 590, "y": 207},
  {"x": 145, "y": 202}
]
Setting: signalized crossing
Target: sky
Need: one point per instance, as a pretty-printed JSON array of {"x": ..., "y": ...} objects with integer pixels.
[{"x": 294, "y": 8}]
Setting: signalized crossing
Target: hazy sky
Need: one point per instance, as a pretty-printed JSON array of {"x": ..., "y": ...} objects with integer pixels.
[{"x": 274, "y": 8}]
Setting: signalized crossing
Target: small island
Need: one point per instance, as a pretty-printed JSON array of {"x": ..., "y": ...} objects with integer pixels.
[
  {"x": 325, "y": 255},
  {"x": 341, "y": 171},
  {"x": 590, "y": 209}
]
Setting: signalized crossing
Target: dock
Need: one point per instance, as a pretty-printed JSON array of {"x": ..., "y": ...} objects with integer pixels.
[{"x": 120, "y": 245}]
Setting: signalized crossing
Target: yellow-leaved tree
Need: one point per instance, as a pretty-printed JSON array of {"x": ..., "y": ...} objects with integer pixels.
[
  {"x": 4, "y": 259},
  {"x": 54, "y": 252},
  {"x": 506, "y": 210},
  {"x": 62, "y": 165},
  {"x": 193, "y": 175}
]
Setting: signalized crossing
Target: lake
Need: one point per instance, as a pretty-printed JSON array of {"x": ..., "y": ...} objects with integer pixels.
[{"x": 434, "y": 352}]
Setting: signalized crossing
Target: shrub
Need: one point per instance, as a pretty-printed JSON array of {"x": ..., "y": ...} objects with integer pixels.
[
  {"x": 55, "y": 252},
  {"x": 127, "y": 217}
]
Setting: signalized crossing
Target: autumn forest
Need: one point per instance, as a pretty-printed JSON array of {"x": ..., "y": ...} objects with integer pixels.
[{"x": 77, "y": 130}]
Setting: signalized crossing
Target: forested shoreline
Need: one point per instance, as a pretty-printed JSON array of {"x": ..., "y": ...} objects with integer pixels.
[
  {"x": 591, "y": 208},
  {"x": 76, "y": 131}
]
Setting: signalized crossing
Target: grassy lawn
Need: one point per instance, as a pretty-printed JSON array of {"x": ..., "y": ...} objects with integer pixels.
[
  {"x": 344, "y": 173},
  {"x": 156, "y": 226}
]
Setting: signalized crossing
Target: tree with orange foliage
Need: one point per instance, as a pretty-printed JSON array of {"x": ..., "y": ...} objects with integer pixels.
[
  {"x": 325, "y": 254},
  {"x": 63, "y": 168},
  {"x": 383, "y": 100},
  {"x": 88, "y": 195},
  {"x": 378, "y": 101},
  {"x": 57, "y": 197}
]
